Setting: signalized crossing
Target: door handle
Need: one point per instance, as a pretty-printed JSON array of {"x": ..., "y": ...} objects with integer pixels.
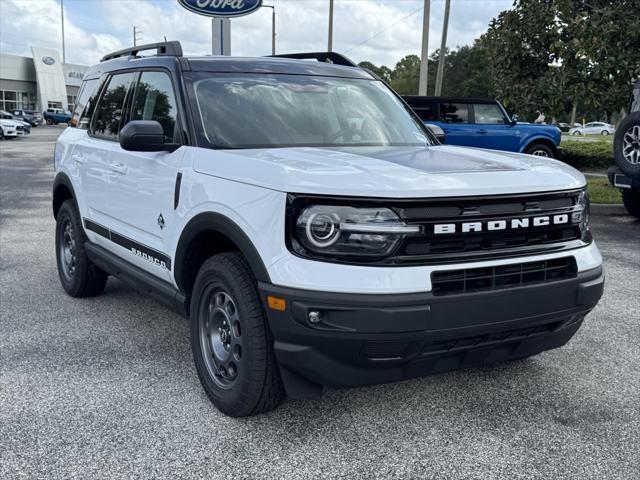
[
  {"x": 118, "y": 168},
  {"x": 80, "y": 160},
  {"x": 482, "y": 132}
]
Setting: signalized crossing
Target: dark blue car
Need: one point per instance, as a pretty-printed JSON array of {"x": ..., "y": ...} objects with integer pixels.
[{"x": 472, "y": 122}]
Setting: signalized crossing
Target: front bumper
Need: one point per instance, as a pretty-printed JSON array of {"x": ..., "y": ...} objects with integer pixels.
[{"x": 365, "y": 339}]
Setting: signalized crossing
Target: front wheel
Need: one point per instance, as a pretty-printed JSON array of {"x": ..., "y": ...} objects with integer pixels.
[
  {"x": 49, "y": 121},
  {"x": 79, "y": 277},
  {"x": 231, "y": 341},
  {"x": 631, "y": 200},
  {"x": 575, "y": 134},
  {"x": 540, "y": 150}
]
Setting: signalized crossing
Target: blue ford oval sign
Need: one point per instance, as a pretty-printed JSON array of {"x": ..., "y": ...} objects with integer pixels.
[{"x": 221, "y": 8}]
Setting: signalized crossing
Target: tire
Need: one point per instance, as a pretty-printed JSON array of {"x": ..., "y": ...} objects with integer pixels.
[
  {"x": 1, "y": 133},
  {"x": 631, "y": 200},
  {"x": 604, "y": 132},
  {"x": 575, "y": 134},
  {"x": 49, "y": 121},
  {"x": 231, "y": 341},
  {"x": 540, "y": 150},
  {"x": 626, "y": 145},
  {"x": 79, "y": 277}
]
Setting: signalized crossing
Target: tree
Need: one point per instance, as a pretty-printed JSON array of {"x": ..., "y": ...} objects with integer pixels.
[
  {"x": 382, "y": 71},
  {"x": 552, "y": 54},
  {"x": 404, "y": 78}
]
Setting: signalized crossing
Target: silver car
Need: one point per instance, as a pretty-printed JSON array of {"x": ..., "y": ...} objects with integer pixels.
[{"x": 594, "y": 128}]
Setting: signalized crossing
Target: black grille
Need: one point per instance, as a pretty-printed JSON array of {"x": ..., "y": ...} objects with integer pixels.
[
  {"x": 486, "y": 242},
  {"x": 502, "y": 276},
  {"x": 19, "y": 128}
]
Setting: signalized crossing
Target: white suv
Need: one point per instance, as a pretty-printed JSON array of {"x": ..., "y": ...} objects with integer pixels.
[{"x": 311, "y": 228}]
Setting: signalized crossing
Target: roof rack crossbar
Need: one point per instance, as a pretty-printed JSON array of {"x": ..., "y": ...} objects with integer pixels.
[
  {"x": 173, "y": 49},
  {"x": 327, "y": 57}
]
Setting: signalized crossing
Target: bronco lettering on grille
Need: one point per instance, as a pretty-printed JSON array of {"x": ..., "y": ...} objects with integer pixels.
[{"x": 497, "y": 225}]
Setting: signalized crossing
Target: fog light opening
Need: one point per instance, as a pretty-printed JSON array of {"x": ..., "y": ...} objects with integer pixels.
[{"x": 315, "y": 316}]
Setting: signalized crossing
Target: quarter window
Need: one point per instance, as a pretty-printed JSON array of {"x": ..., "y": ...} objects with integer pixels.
[
  {"x": 85, "y": 104},
  {"x": 155, "y": 101},
  {"x": 488, "y": 113},
  {"x": 454, "y": 112},
  {"x": 111, "y": 106}
]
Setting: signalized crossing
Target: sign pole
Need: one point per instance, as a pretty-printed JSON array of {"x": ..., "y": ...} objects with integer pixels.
[
  {"x": 443, "y": 45},
  {"x": 424, "y": 60},
  {"x": 64, "y": 57},
  {"x": 330, "y": 46}
]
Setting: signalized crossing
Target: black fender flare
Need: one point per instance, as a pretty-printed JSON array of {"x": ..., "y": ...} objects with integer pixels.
[
  {"x": 211, "y": 221},
  {"x": 61, "y": 179}
]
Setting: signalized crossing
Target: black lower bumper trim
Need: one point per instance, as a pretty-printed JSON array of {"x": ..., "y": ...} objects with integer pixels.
[{"x": 366, "y": 339}]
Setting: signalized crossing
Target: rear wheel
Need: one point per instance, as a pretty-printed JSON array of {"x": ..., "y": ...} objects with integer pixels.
[
  {"x": 605, "y": 132},
  {"x": 540, "y": 150},
  {"x": 79, "y": 277},
  {"x": 576, "y": 133},
  {"x": 231, "y": 341},
  {"x": 631, "y": 200}
]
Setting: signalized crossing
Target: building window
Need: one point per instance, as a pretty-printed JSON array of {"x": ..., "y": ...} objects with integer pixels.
[
  {"x": 71, "y": 100},
  {"x": 54, "y": 105},
  {"x": 12, "y": 100}
]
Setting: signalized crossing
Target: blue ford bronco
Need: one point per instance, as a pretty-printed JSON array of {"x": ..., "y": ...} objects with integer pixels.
[{"x": 473, "y": 122}]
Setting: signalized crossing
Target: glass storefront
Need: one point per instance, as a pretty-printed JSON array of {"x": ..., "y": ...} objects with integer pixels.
[{"x": 12, "y": 100}]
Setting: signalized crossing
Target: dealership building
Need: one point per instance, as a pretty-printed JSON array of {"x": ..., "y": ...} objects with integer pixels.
[{"x": 38, "y": 82}]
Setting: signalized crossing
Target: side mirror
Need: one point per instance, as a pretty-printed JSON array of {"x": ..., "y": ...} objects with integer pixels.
[
  {"x": 514, "y": 119},
  {"x": 145, "y": 136},
  {"x": 436, "y": 131}
]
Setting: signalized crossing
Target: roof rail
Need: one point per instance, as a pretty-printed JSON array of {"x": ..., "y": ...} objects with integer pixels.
[
  {"x": 327, "y": 57},
  {"x": 173, "y": 49}
]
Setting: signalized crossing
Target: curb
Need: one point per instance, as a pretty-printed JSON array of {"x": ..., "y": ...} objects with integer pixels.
[{"x": 607, "y": 209}]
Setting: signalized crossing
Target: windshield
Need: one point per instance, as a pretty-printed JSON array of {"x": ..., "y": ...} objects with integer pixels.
[{"x": 266, "y": 111}]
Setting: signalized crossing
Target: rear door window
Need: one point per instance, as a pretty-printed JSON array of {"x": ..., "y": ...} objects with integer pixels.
[
  {"x": 487, "y": 113},
  {"x": 454, "y": 112},
  {"x": 110, "y": 109}
]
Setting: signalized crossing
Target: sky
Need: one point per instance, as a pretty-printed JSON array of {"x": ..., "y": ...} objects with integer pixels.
[{"x": 380, "y": 31}]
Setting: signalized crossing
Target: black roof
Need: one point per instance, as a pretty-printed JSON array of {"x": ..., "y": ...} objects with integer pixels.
[
  {"x": 418, "y": 99},
  {"x": 169, "y": 55}
]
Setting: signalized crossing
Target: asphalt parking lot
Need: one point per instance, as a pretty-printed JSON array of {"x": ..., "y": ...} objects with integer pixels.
[{"x": 106, "y": 387}]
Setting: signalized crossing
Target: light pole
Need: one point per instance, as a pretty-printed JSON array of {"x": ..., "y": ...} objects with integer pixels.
[
  {"x": 273, "y": 28},
  {"x": 330, "y": 43},
  {"x": 424, "y": 60},
  {"x": 64, "y": 57},
  {"x": 136, "y": 31},
  {"x": 443, "y": 45}
]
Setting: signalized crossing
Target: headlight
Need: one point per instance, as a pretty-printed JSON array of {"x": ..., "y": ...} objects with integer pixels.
[
  {"x": 342, "y": 231},
  {"x": 581, "y": 215}
]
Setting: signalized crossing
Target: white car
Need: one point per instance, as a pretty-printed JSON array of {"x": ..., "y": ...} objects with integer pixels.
[
  {"x": 11, "y": 128},
  {"x": 593, "y": 128},
  {"x": 310, "y": 227}
]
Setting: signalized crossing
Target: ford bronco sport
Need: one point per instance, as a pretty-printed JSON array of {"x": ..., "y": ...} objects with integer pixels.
[
  {"x": 476, "y": 122},
  {"x": 313, "y": 231}
]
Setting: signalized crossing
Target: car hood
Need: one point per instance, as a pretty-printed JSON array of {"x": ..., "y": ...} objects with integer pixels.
[
  {"x": 399, "y": 172},
  {"x": 9, "y": 123}
]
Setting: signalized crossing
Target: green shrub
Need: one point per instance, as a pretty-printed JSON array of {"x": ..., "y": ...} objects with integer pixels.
[
  {"x": 601, "y": 192},
  {"x": 585, "y": 155}
]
